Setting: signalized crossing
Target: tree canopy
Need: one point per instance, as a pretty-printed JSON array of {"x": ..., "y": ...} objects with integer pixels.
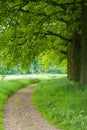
[{"x": 31, "y": 27}]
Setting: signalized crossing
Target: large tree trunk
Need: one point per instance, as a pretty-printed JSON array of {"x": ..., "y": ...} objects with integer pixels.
[
  {"x": 83, "y": 77},
  {"x": 74, "y": 59}
]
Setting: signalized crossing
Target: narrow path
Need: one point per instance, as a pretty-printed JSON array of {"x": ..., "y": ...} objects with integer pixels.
[{"x": 19, "y": 114}]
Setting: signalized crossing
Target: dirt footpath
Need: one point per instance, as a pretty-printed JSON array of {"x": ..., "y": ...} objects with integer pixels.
[{"x": 19, "y": 114}]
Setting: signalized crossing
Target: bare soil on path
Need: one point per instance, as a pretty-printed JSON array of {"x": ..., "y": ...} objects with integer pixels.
[{"x": 19, "y": 113}]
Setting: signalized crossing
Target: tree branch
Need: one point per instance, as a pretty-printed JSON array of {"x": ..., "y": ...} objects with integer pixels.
[
  {"x": 54, "y": 34},
  {"x": 63, "y": 52},
  {"x": 58, "y": 35}
]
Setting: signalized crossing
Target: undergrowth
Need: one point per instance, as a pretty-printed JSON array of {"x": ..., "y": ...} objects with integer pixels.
[
  {"x": 62, "y": 103},
  {"x": 7, "y": 88}
]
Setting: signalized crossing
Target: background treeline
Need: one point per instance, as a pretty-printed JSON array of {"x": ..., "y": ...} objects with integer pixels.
[{"x": 34, "y": 68}]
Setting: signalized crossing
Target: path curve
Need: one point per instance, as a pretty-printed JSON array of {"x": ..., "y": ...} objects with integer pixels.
[{"x": 19, "y": 113}]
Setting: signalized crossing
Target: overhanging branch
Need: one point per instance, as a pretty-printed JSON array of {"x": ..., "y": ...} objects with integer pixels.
[
  {"x": 58, "y": 35},
  {"x": 54, "y": 34}
]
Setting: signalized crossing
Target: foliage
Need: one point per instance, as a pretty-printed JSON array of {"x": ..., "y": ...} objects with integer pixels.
[
  {"x": 31, "y": 27},
  {"x": 52, "y": 58},
  {"x": 62, "y": 103}
]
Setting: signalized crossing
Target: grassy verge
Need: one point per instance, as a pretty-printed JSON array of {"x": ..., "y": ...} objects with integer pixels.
[
  {"x": 62, "y": 103},
  {"x": 7, "y": 88}
]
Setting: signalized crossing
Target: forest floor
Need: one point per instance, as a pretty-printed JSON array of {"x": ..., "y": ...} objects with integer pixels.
[{"x": 19, "y": 113}]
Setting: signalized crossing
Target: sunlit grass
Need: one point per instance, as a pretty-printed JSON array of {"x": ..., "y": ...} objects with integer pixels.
[{"x": 62, "y": 103}]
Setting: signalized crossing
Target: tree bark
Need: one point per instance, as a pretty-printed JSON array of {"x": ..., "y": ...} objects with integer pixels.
[
  {"x": 74, "y": 59},
  {"x": 83, "y": 77}
]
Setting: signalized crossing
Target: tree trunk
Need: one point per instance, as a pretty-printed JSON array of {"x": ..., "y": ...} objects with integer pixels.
[
  {"x": 83, "y": 77},
  {"x": 74, "y": 59}
]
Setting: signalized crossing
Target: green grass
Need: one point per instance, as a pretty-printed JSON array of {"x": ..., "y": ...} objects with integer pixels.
[
  {"x": 7, "y": 88},
  {"x": 62, "y": 103}
]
